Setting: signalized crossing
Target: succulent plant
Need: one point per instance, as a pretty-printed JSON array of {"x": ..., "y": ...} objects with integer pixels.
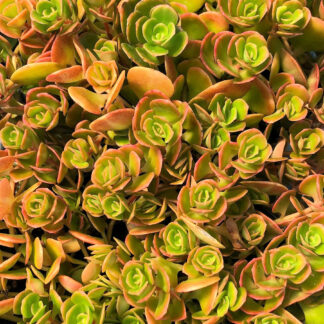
[
  {"x": 161, "y": 161},
  {"x": 102, "y": 75},
  {"x": 43, "y": 106},
  {"x": 115, "y": 207},
  {"x": 290, "y": 17},
  {"x": 242, "y": 56},
  {"x": 253, "y": 152},
  {"x": 204, "y": 261},
  {"x": 105, "y": 49},
  {"x": 48, "y": 16},
  {"x": 156, "y": 35},
  {"x": 307, "y": 238},
  {"x": 306, "y": 141},
  {"x": 147, "y": 209},
  {"x": 18, "y": 137},
  {"x": 31, "y": 306},
  {"x": 287, "y": 262},
  {"x": 113, "y": 165},
  {"x": 292, "y": 101},
  {"x": 14, "y": 17},
  {"x": 229, "y": 114},
  {"x": 92, "y": 200},
  {"x": 79, "y": 308},
  {"x": 202, "y": 202},
  {"x": 177, "y": 239},
  {"x": 161, "y": 122},
  {"x": 244, "y": 13},
  {"x": 77, "y": 154},
  {"x": 42, "y": 208}
]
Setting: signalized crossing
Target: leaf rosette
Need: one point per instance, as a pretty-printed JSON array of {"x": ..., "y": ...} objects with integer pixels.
[
  {"x": 244, "y": 13},
  {"x": 92, "y": 200},
  {"x": 290, "y": 17},
  {"x": 148, "y": 210},
  {"x": 288, "y": 263},
  {"x": 14, "y": 16},
  {"x": 261, "y": 287},
  {"x": 43, "y": 105},
  {"x": 230, "y": 299},
  {"x": 219, "y": 300},
  {"x": 159, "y": 121},
  {"x": 284, "y": 318},
  {"x": 214, "y": 137},
  {"x": 77, "y": 154},
  {"x": 138, "y": 282},
  {"x": 18, "y": 137},
  {"x": 308, "y": 237},
  {"x": 282, "y": 276},
  {"x": 106, "y": 50},
  {"x": 115, "y": 206},
  {"x": 253, "y": 152},
  {"x": 204, "y": 261},
  {"x": 42, "y": 208},
  {"x": 31, "y": 306},
  {"x": 102, "y": 75},
  {"x": 126, "y": 167},
  {"x": 305, "y": 141},
  {"x": 243, "y": 56},
  {"x": 52, "y": 15},
  {"x": 297, "y": 170},
  {"x": 202, "y": 202},
  {"x": 152, "y": 30},
  {"x": 292, "y": 102},
  {"x": 79, "y": 308},
  {"x": 230, "y": 114},
  {"x": 149, "y": 284},
  {"x": 253, "y": 229},
  {"x": 177, "y": 239}
]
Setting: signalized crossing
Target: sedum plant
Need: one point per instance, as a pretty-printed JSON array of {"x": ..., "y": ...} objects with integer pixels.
[
  {"x": 151, "y": 29},
  {"x": 161, "y": 161}
]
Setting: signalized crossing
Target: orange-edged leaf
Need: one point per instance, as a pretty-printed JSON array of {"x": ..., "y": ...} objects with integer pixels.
[
  {"x": 12, "y": 238},
  {"x": 196, "y": 283},
  {"x": 116, "y": 120},
  {"x": 37, "y": 254},
  {"x": 32, "y": 73},
  {"x": 7, "y": 198},
  {"x": 90, "y": 272},
  {"x": 6, "y": 305},
  {"x": 9, "y": 263},
  {"x": 67, "y": 75},
  {"x": 6, "y": 163},
  {"x": 202, "y": 234},
  {"x": 86, "y": 238},
  {"x": 53, "y": 271},
  {"x": 29, "y": 247},
  {"x": 142, "y": 230},
  {"x": 142, "y": 79},
  {"x": 88, "y": 100},
  {"x": 18, "y": 274},
  {"x": 55, "y": 249},
  {"x": 44, "y": 319},
  {"x": 114, "y": 91},
  {"x": 62, "y": 51},
  {"x": 56, "y": 300},
  {"x": 69, "y": 283}
]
